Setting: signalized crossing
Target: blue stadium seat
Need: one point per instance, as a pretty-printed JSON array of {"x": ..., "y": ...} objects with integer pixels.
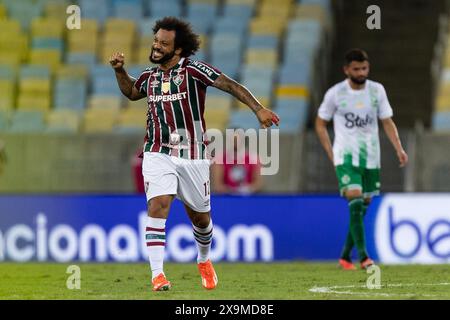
[
  {"x": 47, "y": 43},
  {"x": 24, "y": 12},
  {"x": 104, "y": 81},
  {"x": 262, "y": 42},
  {"x": 81, "y": 58},
  {"x": 162, "y": 8},
  {"x": 243, "y": 12},
  {"x": 244, "y": 119},
  {"x": 295, "y": 74},
  {"x": 441, "y": 121},
  {"x": 34, "y": 71},
  {"x": 294, "y": 114},
  {"x": 131, "y": 10},
  {"x": 201, "y": 16},
  {"x": 7, "y": 72},
  {"x": 27, "y": 121},
  {"x": 136, "y": 70},
  {"x": 146, "y": 26},
  {"x": 98, "y": 10},
  {"x": 4, "y": 120},
  {"x": 70, "y": 93},
  {"x": 310, "y": 26},
  {"x": 231, "y": 24}
]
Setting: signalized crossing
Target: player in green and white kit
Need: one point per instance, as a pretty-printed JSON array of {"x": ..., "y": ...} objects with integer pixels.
[{"x": 355, "y": 105}]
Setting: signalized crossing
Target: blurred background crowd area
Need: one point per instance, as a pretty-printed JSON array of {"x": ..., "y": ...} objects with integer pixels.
[{"x": 65, "y": 127}]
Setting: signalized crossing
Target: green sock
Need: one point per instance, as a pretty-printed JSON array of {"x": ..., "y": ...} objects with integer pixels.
[
  {"x": 349, "y": 243},
  {"x": 356, "y": 233}
]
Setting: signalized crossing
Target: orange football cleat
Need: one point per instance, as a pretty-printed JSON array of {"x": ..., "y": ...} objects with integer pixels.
[
  {"x": 346, "y": 265},
  {"x": 160, "y": 283},
  {"x": 366, "y": 263},
  {"x": 209, "y": 277}
]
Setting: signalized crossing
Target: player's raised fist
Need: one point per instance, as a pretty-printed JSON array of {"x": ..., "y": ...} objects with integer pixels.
[
  {"x": 267, "y": 118},
  {"x": 117, "y": 60}
]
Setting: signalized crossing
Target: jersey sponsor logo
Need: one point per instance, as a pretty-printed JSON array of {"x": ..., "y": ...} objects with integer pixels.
[
  {"x": 354, "y": 120},
  {"x": 154, "y": 84},
  {"x": 169, "y": 97},
  {"x": 203, "y": 68}
]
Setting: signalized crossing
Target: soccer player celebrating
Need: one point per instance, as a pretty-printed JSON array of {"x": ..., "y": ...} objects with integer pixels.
[
  {"x": 175, "y": 162},
  {"x": 355, "y": 104}
]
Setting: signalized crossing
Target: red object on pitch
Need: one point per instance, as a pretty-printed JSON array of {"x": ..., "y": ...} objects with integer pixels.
[{"x": 138, "y": 178}]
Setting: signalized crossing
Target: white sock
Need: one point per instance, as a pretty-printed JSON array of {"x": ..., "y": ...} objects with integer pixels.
[
  {"x": 155, "y": 237},
  {"x": 203, "y": 237}
]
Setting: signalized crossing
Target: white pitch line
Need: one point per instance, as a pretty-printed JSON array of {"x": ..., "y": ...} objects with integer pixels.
[{"x": 331, "y": 290}]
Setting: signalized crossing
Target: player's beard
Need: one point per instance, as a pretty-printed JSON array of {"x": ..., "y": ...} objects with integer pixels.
[
  {"x": 166, "y": 57},
  {"x": 359, "y": 81}
]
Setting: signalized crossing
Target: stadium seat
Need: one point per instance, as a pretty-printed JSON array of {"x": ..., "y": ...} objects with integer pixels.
[
  {"x": 70, "y": 93},
  {"x": 27, "y": 121},
  {"x": 218, "y": 102},
  {"x": 56, "y": 9},
  {"x": 262, "y": 42},
  {"x": 97, "y": 10},
  {"x": 105, "y": 102},
  {"x": 162, "y": 8},
  {"x": 99, "y": 120},
  {"x": 63, "y": 121},
  {"x": 24, "y": 12},
  {"x": 4, "y": 120},
  {"x": 84, "y": 40},
  {"x": 88, "y": 59},
  {"x": 217, "y": 118},
  {"x": 49, "y": 57},
  {"x": 2, "y": 12},
  {"x": 239, "y": 11},
  {"x": 243, "y": 119},
  {"x": 7, "y": 72},
  {"x": 292, "y": 91},
  {"x": 130, "y": 10},
  {"x": 132, "y": 119},
  {"x": 441, "y": 121},
  {"x": 7, "y": 89},
  {"x": 47, "y": 43},
  {"x": 34, "y": 71},
  {"x": 47, "y": 28},
  {"x": 262, "y": 57},
  {"x": 267, "y": 26}
]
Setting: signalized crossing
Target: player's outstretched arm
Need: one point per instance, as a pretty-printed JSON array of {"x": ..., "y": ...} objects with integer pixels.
[
  {"x": 266, "y": 117},
  {"x": 391, "y": 131},
  {"x": 324, "y": 137},
  {"x": 125, "y": 82}
]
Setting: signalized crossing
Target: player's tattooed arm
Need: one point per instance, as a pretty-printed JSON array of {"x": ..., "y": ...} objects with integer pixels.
[
  {"x": 265, "y": 117},
  {"x": 240, "y": 92},
  {"x": 124, "y": 80}
]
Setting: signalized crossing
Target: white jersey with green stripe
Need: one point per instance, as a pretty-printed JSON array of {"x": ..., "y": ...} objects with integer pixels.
[{"x": 355, "y": 115}]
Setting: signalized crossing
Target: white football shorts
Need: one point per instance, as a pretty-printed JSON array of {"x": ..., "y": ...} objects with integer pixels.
[{"x": 185, "y": 178}]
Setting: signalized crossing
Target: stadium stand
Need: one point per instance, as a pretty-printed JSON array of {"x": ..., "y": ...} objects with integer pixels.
[
  {"x": 252, "y": 41},
  {"x": 58, "y": 81}
]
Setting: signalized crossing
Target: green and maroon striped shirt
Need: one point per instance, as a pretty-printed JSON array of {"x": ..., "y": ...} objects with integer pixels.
[{"x": 176, "y": 103}]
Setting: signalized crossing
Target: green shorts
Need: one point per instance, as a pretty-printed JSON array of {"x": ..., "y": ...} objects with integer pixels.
[{"x": 355, "y": 178}]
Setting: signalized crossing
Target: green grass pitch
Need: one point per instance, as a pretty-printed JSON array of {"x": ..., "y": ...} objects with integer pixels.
[{"x": 285, "y": 281}]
